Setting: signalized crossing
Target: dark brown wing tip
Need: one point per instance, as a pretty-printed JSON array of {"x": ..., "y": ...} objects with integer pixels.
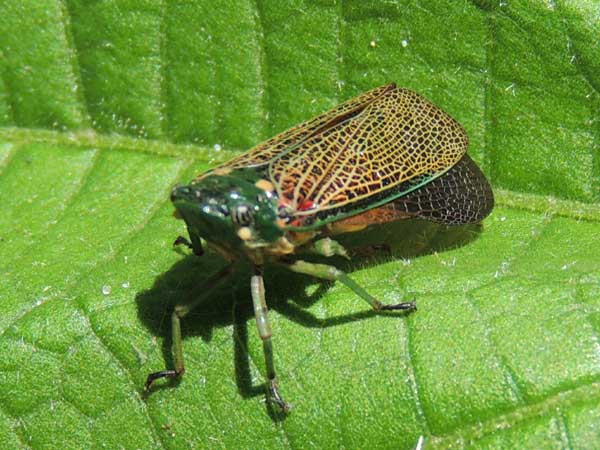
[{"x": 460, "y": 196}]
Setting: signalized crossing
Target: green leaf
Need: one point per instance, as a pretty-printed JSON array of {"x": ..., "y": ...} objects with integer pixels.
[{"x": 104, "y": 106}]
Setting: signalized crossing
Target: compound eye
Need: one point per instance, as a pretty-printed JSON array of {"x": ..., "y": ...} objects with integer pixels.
[{"x": 242, "y": 215}]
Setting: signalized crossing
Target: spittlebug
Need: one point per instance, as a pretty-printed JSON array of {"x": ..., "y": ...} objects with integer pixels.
[{"x": 386, "y": 155}]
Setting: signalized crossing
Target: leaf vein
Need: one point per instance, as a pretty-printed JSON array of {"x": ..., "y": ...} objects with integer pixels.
[
  {"x": 7, "y": 157},
  {"x": 15, "y": 426},
  {"x": 489, "y": 157},
  {"x": 263, "y": 84},
  {"x": 498, "y": 356},
  {"x": 8, "y": 93},
  {"x": 149, "y": 215},
  {"x": 74, "y": 60},
  {"x": 412, "y": 375},
  {"x": 127, "y": 374},
  {"x": 69, "y": 201},
  {"x": 565, "y": 434},
  {"x": 594, "y": 110},
  {"x": 585, "y": 394}
]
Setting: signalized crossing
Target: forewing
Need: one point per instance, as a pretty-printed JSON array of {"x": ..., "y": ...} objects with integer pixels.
[
  {"x": 460, "y": 196},
  {"x": 266, "y": 151},
  {"x": 398, "y": 137}
]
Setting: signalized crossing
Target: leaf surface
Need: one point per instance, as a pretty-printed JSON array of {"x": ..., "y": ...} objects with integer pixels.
[{"x": 104, "y": 106}]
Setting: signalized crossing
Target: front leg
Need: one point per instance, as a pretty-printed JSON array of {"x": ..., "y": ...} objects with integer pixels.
[
  {"x": 257, "y": 288},
  {"x": 195, "y": 245},
  {"x": 327, "y": 272},
  {"x": 179, "y": 312}
]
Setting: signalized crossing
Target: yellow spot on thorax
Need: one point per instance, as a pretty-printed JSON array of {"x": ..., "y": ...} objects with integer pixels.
[
  {"x": 244, "y": 233},
  {"x": 265, "y": 185}
]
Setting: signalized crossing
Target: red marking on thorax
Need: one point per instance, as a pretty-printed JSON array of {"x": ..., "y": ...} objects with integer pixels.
[{"x": 306, "y": 205}]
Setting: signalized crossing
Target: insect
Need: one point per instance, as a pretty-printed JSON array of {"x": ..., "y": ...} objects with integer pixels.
[{"x": 385, "y": 155}]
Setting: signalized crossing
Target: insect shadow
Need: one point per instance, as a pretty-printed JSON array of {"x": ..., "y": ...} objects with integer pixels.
[{"x": 231, "y": 305}]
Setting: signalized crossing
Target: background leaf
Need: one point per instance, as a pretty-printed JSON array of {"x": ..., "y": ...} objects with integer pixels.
[{"x": 104, "y": 106}]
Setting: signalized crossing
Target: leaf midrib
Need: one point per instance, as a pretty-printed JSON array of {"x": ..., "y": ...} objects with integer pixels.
[{"x": 542, "y": 204}]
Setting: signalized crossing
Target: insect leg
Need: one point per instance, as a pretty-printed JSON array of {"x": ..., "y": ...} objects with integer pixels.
[
  {"x": 327, "y": 272},
  {"x": 327, "y": 247},
  {"x": 181, "y": 240},
  {"x": 179, "y": 312},
  {"x": 257, "y": 288},
  {"x": 195, "y": 245}
]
